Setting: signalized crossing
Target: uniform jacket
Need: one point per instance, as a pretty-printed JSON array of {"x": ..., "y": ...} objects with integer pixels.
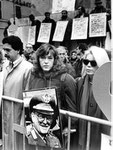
[{"x": 34, "y": 138}]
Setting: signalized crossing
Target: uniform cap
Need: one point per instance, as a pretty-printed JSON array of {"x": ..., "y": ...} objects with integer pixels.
[{"x": 44, "y": 108}]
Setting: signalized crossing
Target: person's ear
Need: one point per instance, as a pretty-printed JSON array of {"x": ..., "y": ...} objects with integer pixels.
[{"x": 33, "y": 117}]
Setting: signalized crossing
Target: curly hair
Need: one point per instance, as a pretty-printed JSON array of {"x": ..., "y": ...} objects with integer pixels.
[
  {"x": 42, "y": 51},
  {"x": 15, "y": 43}
]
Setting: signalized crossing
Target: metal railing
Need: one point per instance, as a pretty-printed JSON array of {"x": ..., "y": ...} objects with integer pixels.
[{"x": 21, "y": 128}]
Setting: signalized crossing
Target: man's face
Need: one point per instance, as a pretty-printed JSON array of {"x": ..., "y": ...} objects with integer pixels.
[
  {"x": 74, "y": 55},
  {"x": 10, "y": 53},
  {"x": 62, "y": 54},
  {"x": 46, "y": 62},
  {"x": 42, "y": 122},
  {"x": 47, "y": 16},
  {"x": 30, "y": 52},
  {"x": 64, "y": 14}
]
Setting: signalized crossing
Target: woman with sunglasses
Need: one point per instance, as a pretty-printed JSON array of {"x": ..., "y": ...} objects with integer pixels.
[{"x": 94, "y": 58}]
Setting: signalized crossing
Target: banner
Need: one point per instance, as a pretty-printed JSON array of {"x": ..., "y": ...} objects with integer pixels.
[
  {"x": 60, "y": 30},
  {"x": 59, "y": 5},
  {"x": 44, "y": 33},
  {"x": 97, "y": 25},
  {"x": 79, "y": 28}
]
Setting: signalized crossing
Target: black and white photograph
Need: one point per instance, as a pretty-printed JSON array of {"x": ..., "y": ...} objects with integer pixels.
[{"x": 56, "y": 75}]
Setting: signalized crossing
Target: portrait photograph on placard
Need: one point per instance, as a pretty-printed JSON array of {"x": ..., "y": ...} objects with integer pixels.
[{"x": 42, "y": 120}]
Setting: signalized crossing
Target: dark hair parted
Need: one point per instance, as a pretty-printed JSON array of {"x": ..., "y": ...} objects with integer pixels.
[
  {"x": 42, "y": 51},
  {"x": 15, "y": 43}
]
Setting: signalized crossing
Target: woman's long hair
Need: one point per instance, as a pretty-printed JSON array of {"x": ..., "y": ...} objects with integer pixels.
[{"x": 42, "y": 51}]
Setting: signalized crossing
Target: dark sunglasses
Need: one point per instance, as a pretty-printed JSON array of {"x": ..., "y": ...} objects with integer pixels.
[{"x": 92, "y": 62}]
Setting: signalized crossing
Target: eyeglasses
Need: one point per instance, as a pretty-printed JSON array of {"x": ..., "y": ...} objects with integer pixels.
[
  {"x": 41, "y": 117},
  {"x": 62, "y": 54},
  {"x": 92, "y": 62}
]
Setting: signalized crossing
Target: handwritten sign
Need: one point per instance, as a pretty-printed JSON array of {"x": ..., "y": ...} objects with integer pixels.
[
  {"x": 79, "y": 28},
  {"x": 106, "y": 143},
  {"x": 31, "y": 35},
  {"x": 60, "y": 30},
  {"x": 59, "y": 5},
  {"x": 44, "y": 33},
  {"x": 97, "y": 25}
]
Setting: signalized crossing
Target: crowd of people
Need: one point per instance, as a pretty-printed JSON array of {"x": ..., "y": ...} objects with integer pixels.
[{"x": 48, "y": 65}]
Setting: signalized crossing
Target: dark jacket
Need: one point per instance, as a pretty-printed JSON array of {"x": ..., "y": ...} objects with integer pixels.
[
  {"x": 65, "y": 89},
  {"x": 36, "y": 23},
  {"x": 92, "y": 110}
]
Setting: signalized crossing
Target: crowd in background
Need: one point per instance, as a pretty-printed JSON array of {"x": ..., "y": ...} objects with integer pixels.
[{"x": 44, "y": 65}]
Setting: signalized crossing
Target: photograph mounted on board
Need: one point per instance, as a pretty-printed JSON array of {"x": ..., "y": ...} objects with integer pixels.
[{"x": 42, "y": 120}]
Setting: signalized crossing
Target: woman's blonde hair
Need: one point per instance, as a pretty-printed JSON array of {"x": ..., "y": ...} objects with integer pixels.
[{"x": 100, "y": 55}]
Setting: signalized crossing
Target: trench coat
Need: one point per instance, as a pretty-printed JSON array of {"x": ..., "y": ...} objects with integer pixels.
[{"x": 14, "y": 83}]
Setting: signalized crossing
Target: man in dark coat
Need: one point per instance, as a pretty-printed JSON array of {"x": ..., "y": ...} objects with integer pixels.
[
  {"x": 37, "y": 24},
  {"x": 52, "y": 21}
]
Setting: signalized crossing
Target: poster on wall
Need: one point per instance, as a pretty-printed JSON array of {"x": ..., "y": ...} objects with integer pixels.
[
  {"x": 31, "y": 35},
  {"x": 60, "y": 30},
  {"x": 79, "y": 28},
  {"x": 59, "y": 5},
  {"x": 44, "y": 33},
  {"x": 97, "y": 25},
  {"x": 43, "y": 127}
]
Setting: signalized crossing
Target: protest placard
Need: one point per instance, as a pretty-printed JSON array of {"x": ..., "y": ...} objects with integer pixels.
[
  {"x": 44, "y": 33},
  {"x": 44, "y": 111},
  {"x": 106, "y": 142},
  {"x": 97, "y": 25},
  {"x": 31, "y": 35},
  {"x": 79, "y": 28},
  {"x": 60, "y": 30}
]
